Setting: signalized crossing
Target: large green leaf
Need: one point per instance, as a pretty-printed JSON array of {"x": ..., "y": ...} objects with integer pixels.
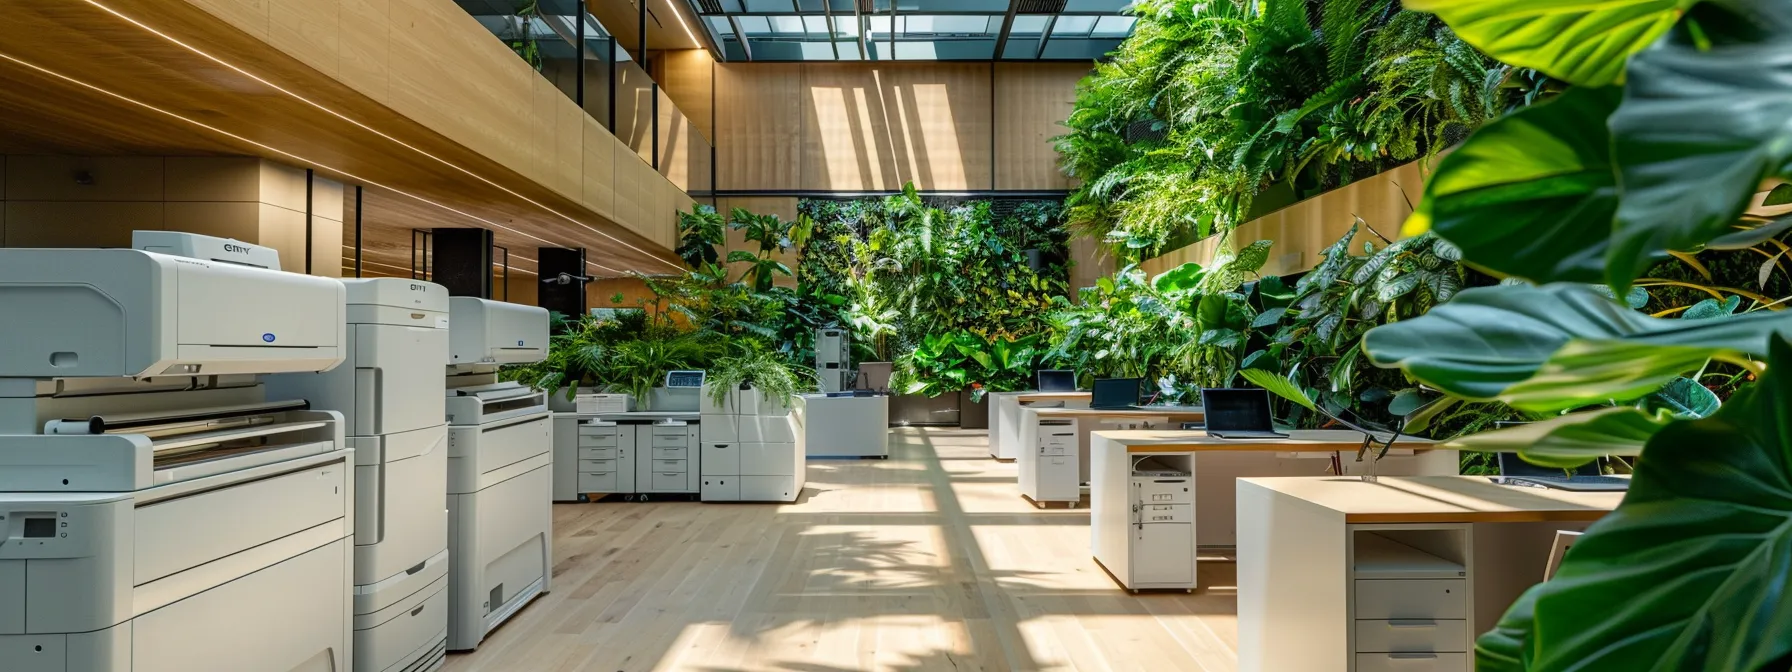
[
  {"x": 1179, "y": 278},
  {"x": 1580, "y": 41},
  {"x": 1531, "y": 194},
  {"x": 1571, "y": 440},
  {"x": 1279, "y": 386},
  {"x": 1689, "y": 573},
  {"x": 1702, "y": 124},
  {"x": 1557, "y": 346}
]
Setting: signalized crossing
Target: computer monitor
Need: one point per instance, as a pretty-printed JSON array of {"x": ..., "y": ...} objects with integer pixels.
[
  {"x": 1114, "y": 393},
  {"x": 1056, "y": 380},
  {"x": 1513, "y": 465},
  {"x": 1236, "y": 409}
]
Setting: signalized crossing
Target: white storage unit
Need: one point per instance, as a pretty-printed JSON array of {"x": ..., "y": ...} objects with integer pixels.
[
  {"x": 638, "y": 453},
  {"x": 1051, "y": 471},
  {"x": 1410, "y": 606},
  {"x": 500, "y": 465},
  {"x": 393, "y": 407},
  {"x": 843, "y": 426},
  {"x": 752, "y": 449},
  {"x": 1147, "y": 542}
]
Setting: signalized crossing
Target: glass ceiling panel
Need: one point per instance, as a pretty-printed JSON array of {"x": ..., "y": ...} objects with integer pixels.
[{"x": 959, "y": 30}]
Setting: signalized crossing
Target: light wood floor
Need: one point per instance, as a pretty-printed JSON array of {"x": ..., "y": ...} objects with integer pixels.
[{"x": 927, "y": 561}]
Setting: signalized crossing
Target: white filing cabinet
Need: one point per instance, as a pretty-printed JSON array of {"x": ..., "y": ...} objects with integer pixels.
[
  {"x": 751, "y": 450},
  {"x": 635, "y": 453},
  {"x": 1147, "y": 540},
  {"x": 1051, "y": 471}
]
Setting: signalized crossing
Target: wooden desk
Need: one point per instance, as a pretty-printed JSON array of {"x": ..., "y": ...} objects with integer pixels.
[
  {"x": 1004, "y": 417},
  {"x": 1313, "y": 566},
  {"x": 1046, "y": 467},
  {"x": 1122, "y": 512}
]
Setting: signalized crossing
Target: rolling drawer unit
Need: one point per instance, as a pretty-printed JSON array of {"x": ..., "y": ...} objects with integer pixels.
[
  {"x": 634, "y": 454},
  {"x": 1410, "y": 608},
  {"x": 500, "y": 466},
  {"x": 752, "y": 449},
  {"x": 1051, "y": 472},
  {"x": 393, "y": 405}
]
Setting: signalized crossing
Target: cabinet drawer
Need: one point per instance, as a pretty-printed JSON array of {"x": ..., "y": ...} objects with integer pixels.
[
  {"x": 596, "y": 466},
  {"x": 679, "y": 453},
  {"x": 767, "y": 459},
  {"x": 670, "y": 481},
  {"x": 1166, "y": 513},
  {"x": 720, "y": 489},
  {"x": 597, "y": 453},
  {"x": 670, "y": 441},
  {"x": 1412, "y": 662},
  {"x": 719, "y": 429},
  {"x": 1054, "y": 450},
  {"x": 605, "y": 482},
  {"x": 1163, "y": 553},
  {"x": 608, "y": 441},
  {"x": 598, "y": 430},
  {"x": 1419, "y": 635},
  {"x": 1162, "y": 490},
  {"x": 768, "y": 489},
  {"x": 670, "y": 430},
  {"x": 720, "y": 459},
  {"x": 670, "y": 466},
  {"x": 1395, "y": 599}
]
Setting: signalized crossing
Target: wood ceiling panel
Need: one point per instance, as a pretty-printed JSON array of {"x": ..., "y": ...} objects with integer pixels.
[{"x": 116, "y": 87}]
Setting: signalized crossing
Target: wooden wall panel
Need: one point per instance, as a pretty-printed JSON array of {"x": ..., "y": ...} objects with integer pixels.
[
  {"x": 1032, "y": 100},
  {"x": 759, "y": 125},
  {"x": 688, "y": 76},
  {"x": 456, "y": 79},
  {"x": 939, "y": 115},
  {"x": 309, "y": 31},
  {"x": 599, "y": 191},
  {"x": 604, "y": 293},
  {"x": 1303, "y": 230},
  {"x": 684, "y": 152},
  {"x": 364, "y": 47},
  {"x": 847, "y": 144}
]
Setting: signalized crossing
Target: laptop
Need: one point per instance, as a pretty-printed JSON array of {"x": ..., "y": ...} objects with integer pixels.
[
  {"x": 1055, "y": 380},
  {"x": 1238, "y": 413},
  {"x": 1585, "y": 478},
  {"x": 1111, "y": 394}
]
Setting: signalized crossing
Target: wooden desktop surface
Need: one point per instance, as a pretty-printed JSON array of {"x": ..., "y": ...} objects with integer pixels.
[
  {"x": 1441, "y": 499},
  {"x": 1299, "y": 440},
  {"x": 1184, "y": 412},
  {"x": 1051, "y": 396}
]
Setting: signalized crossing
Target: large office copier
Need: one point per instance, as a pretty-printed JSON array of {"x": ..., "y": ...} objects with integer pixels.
[
  {"x": 160, "y": 511},
  {"x": 390, "y": 395},
  {"x": 499, "y": 468}
]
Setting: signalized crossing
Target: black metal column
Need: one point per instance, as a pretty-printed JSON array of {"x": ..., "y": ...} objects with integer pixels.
[
  {"x": 562, "y": 273},
  {"x": 461, "y": 260}
]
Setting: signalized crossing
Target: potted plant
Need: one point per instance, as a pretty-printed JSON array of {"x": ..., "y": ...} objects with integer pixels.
[{"x": 757, "y": 382}]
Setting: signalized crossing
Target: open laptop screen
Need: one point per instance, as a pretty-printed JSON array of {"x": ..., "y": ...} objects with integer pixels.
[
  {"x": 1056, "y": 380},
  {"x": 1513, "y": 465},
  {"x": 1114, "y": 393},
  {"x": 1236, "y": 409}
]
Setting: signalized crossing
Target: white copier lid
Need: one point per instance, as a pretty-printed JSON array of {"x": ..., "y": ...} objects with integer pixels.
[{"x": 397, "y": 293}]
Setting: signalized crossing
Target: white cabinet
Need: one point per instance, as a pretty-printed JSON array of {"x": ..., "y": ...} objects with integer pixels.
[
  {"x": 662, "y": 457},
  {"x": 1142, "y": 526},
  {"x": 750, "y": 448},
  {"x": 1050, "y": 471}
]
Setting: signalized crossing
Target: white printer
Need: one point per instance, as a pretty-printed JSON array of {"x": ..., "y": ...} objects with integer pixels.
[
  {"x": 500, "y": 467},
  {"x": 158, "y": 510},
  {"x": 390, "y": 394}
]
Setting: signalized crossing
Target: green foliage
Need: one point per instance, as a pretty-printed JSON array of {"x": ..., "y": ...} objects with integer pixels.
[
  {"x": 903, "y": 269},
  {"x": 761, "y": 370},
  {"x": 1210, "y": 104},
  {"x": 1690, "y": 571},
  {"x": 947, "y": 363},
  {"x": 699, "y": 232}
]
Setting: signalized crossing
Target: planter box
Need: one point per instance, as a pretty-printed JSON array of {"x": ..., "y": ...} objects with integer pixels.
[
  {"x": 972, "y": 414},
  {"x": 923, "y": 411}
]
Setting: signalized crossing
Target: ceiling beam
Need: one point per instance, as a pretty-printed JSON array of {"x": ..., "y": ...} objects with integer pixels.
[
  {"x": 858, "y": 15},
  {"x": 1045, "y": 35},
  {"x": 741, "y": 37},
  {"x": 1007, "y": 25}
]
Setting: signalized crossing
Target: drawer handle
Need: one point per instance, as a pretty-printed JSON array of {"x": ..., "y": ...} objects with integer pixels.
[
  {"x": 419, "y": 609},
  {"x": 721, "y": 445},
  {"x": 1411, "y": 623},
  {"x": 666, "y": 474},
  {"x": 1412, "y": 656},
  {"x": 415, "y": 569}
]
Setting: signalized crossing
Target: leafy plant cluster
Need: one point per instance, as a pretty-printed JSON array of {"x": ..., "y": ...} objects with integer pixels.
[
  {"x": 944, "y": 289},
  {"x": 1212, "y": 105},
  {"x": 1639, "y": 176}
]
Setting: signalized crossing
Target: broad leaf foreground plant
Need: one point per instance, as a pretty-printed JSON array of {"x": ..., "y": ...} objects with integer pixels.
[{"x": 1680, "y": 111}]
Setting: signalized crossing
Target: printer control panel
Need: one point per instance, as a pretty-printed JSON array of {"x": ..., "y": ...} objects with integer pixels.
[{"x": 44, "y": 529}]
